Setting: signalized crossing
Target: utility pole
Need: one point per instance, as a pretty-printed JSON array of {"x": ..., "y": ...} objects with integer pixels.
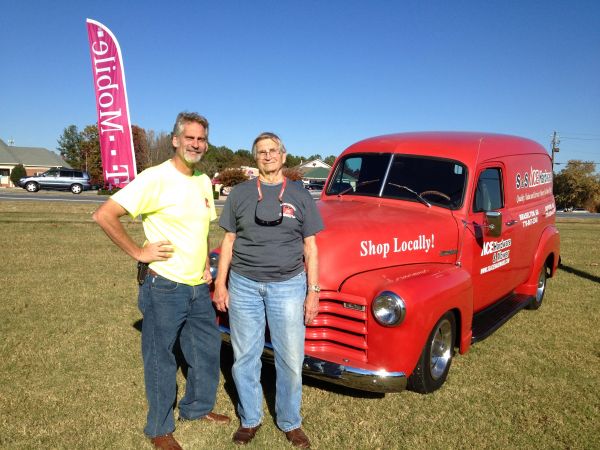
[{"x": 555, "y": 149}]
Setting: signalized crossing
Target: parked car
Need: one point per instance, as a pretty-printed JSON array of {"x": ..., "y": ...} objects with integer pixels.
[
  {"x": 580, "y": 211},
  {"x": 72, "y": 180},
  {"x": 314, "y": 186},
  {"x": 432, "y": 241}
]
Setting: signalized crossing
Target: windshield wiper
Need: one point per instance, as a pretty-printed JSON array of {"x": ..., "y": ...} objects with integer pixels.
[
  {"x": 362, "y": 183},
  {"x": 421, "y": 199}
]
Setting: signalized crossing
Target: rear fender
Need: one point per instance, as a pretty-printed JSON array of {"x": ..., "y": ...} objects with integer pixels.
[{"x": 549, "y": 246}]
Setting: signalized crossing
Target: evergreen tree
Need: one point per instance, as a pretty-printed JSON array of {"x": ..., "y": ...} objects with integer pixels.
[
  {"x": 69, "y": 145},
  {"x": 17, "y": 173}
]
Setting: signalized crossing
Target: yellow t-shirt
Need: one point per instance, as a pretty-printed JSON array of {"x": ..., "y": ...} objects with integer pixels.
[{"x": 175, "y": 208}]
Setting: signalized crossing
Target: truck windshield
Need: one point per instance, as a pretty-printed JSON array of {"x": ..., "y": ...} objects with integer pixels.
[{"x": 427, "y": 180}]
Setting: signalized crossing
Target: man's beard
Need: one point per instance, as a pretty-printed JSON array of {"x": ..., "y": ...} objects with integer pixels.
[{"x": 192, "y": 159}]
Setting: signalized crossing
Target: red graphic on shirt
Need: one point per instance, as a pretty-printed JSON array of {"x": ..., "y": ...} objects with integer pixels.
[{"x": 289, "y": 210}]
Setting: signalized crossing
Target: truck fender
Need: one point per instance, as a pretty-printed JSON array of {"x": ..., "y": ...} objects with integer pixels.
[
  {"x": 429, "y": 291},
  {"x": 548, "y": 245}
]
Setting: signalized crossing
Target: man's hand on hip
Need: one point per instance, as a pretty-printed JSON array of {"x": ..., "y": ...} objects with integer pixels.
[{"x": 156, "y": 251}]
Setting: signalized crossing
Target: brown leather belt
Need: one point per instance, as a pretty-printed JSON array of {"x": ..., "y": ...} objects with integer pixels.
[{"x": 152, "y": 272}]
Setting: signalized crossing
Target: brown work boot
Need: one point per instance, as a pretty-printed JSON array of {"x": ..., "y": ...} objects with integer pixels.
[
  {"x": 166, "y": 442},
  {"x": 244, "y": 435},
  {"x": 298, "y": 438}
]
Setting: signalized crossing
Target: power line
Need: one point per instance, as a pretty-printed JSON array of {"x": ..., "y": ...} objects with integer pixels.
[
  {"x": 580, "y": 139},
  {"x": 583, "y": 134}
]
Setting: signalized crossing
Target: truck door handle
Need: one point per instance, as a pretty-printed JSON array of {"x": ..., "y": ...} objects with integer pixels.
[{"x": 510, "y": 223}]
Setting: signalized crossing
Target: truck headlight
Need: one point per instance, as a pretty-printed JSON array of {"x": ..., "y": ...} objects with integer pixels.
[
  {"x": 213, "y": 260},
  {"x": 388, "y": 309}
]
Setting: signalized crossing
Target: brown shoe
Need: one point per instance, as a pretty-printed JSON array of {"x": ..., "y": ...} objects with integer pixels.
[
  {"x": 210, "y": 417},
  {"x": 244, "y": 435},
  {"x": 298, "y": 438},
  {"x": 166, "y": 442},
  {"x": 216, "y": 418}
]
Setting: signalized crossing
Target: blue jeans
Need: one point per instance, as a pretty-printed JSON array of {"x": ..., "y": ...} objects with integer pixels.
[
  {"x": 252, "y": 304},
  {"x": 174, "y": 310}
]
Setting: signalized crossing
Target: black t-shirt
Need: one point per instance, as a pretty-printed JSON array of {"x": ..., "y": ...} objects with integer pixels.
[{"x": 269, "y": 253}]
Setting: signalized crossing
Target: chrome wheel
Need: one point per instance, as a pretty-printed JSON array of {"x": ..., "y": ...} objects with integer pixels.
[
  {"x": 536, "y": 302},
  {"x": 76, "y": 189},
  {"x": 433, "y": 366},
  {"x": 31, "y": 187},
  {"x": 441, "y": 349},
  {"x": 541, "y": 286}
]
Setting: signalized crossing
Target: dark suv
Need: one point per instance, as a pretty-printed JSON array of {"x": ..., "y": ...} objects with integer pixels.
[{"x": 58, "y": 180}]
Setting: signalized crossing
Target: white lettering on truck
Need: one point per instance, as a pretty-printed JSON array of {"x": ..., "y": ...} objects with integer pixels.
[{"x": 421, "y": 243}]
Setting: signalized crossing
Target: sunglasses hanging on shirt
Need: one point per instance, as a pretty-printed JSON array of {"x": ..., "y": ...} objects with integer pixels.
[{"x": 269, "y": 223}]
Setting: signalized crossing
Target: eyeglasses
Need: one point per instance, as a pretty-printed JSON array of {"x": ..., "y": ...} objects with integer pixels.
[
  {"x": 271, "y": 152},
  {"x": 269, "y": 223}
]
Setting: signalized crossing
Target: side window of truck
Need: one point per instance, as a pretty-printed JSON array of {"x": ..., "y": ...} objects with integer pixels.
[{"x": 488, "y": 194}]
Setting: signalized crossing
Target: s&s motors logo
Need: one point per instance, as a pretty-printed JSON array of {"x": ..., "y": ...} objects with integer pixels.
[{"x": 533, "y": 178}]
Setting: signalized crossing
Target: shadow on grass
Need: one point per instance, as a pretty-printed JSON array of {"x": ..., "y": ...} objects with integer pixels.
[
  {"x": 268, "y": 377},
  {"x": 579, "y": 273}
]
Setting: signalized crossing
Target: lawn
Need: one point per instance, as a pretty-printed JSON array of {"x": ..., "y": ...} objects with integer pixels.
[{"x": 71, "y": 373}]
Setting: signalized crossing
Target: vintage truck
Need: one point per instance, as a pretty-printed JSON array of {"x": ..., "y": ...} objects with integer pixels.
[{"x": 432, "y": 241}]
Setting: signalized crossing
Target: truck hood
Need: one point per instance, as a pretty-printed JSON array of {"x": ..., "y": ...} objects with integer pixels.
[{"x": 366, "y": 235}]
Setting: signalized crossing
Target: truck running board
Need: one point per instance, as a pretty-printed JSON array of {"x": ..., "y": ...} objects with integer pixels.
[{"x": 490, "y": 319}]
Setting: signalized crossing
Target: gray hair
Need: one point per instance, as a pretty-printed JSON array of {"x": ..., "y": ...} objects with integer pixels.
[
  {"x": 187, "y": 117},
  {"x": 267, "y": 135}
]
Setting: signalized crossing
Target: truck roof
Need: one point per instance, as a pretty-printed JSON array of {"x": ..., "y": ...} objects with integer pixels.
[{"x": 467, "y": 147}]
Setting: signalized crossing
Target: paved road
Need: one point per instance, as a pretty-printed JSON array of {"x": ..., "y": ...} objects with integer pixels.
[
  {"x": 59, "y": 196},
  {"x": 50, "y": 196},
  {"x": 93, "y": 197},
  {"x": 85, "y": 197}
]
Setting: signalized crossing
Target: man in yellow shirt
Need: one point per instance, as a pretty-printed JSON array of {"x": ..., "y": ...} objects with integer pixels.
[{"x": 176, "y": 204}]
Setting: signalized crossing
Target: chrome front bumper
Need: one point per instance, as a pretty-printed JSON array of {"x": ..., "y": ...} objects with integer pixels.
[{"x": 353, "y": 377}]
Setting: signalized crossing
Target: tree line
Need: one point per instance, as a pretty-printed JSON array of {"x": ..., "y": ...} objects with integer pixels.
[
  {"x": 577, "y": 185},
  {"x": 81, "y": 150}
]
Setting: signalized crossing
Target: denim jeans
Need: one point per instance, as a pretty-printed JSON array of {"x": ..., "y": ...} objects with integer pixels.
[
  {"x": 252, "y": 304},
  {"x": 174, "y": 310}
]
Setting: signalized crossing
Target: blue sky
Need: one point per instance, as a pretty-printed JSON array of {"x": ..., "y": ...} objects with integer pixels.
[{"x": 322, "y": 74}]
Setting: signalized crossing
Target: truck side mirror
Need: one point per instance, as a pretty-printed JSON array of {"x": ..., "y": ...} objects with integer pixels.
[{"x": 493, "y": 223}]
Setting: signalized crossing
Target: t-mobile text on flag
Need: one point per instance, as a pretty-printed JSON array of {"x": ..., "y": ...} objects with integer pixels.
[{"x": 114, "y": 130}]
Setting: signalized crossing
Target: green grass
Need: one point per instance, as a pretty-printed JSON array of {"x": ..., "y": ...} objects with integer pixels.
[{"x": 71, "y": 373}]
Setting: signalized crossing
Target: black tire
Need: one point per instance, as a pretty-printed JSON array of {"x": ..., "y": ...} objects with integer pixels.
[
  {"x": 32, "y": 186},
  {"x": 76, "y": 188},
  {"x": 436, "y": 358},
  {"x": 541, "y": 289}
]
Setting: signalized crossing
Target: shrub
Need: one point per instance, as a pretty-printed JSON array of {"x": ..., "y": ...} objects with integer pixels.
[
  {"x": 108, "y": 190},
  {"x": 231, "y": 177},
  {"x": 292, "y": 174},
  {"x": 17, "y": 173}
]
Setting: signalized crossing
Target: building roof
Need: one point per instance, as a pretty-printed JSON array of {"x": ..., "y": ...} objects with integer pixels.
[
  {"x": 312, "y": 164},
  {"x": 318, "y": 173},
  {"x": 29, "y": 156}
]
